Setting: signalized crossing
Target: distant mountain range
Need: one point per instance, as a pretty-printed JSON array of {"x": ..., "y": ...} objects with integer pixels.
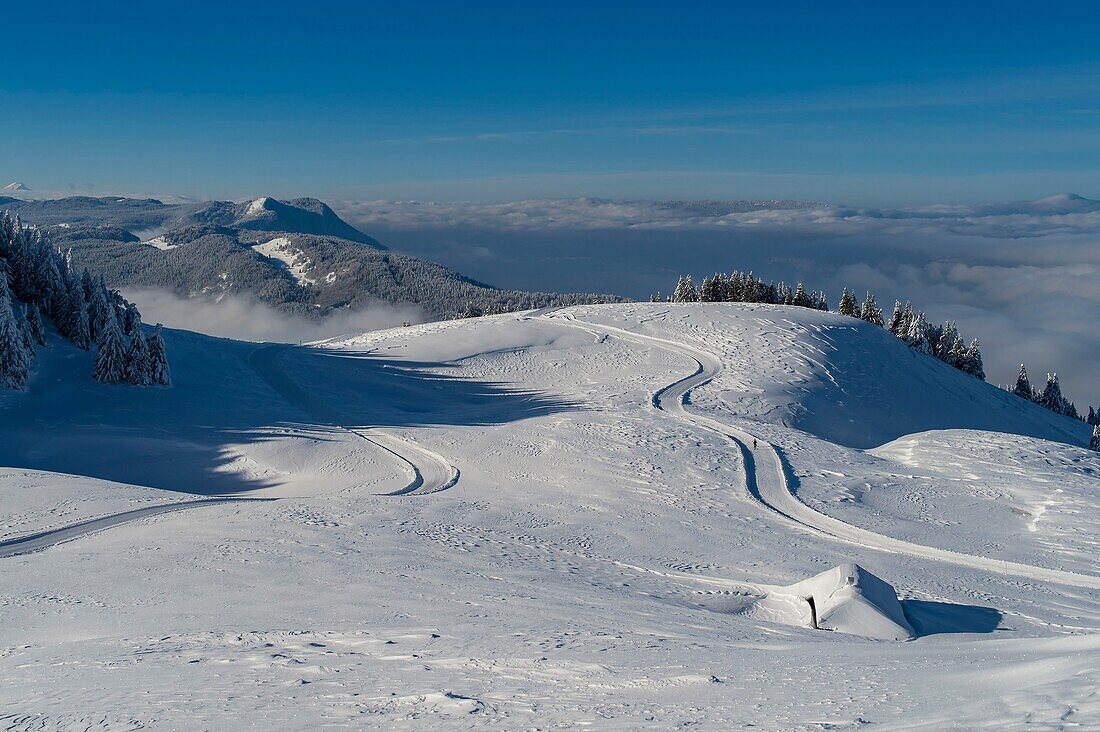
[{"x": 296, "y": 255}]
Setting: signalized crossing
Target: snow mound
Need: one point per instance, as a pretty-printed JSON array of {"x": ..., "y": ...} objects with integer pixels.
[{"x": 847, "y": 599}]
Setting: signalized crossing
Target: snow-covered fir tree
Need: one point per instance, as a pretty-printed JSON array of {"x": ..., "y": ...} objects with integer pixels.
[
  {"x": 34, "y": 323},
  {"x": 1093, "y": 418},
  {"x": 685, "y": 290},
  {"x": 711, "y": 291},
  {"x": 973, "y": 363},
  {"x": 848, "y": 305},
  {"x": 81, "y": 334},
  {"x": 131, "y": 320},
  {"x": 1052, "y": 398},
  {"x": 14, "y": 359},
  {"x": 894, "y": 325},
  {"x": 110, "y": 357},
  {"x": 1023, "y": 385},
  {"x": 158, "y": 361},
  {"x": 1023, "y": 388},
  {"x": 1094, "y": 443},
  {"x": 870, "y": 311},
  {"x": 471, "y": 311},
  {"x": 139, "y": 367},
  {"x": 801, "y": 299},
  {"x": 917, "y": 336}
]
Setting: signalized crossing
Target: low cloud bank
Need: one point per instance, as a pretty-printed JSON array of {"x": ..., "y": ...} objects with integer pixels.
[{"x": 233, "y": 316}]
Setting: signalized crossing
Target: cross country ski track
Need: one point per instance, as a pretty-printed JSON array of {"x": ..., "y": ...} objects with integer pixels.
[{"x": 46, "y": 539}]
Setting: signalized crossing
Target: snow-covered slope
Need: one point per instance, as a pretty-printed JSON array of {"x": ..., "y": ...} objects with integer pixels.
[
  {"x": 836, "y": 377},
  {"x": 591, "y": 555}
]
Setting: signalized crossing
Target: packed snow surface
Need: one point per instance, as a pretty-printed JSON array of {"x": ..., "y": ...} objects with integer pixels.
[{"x": 604, "y": 516}]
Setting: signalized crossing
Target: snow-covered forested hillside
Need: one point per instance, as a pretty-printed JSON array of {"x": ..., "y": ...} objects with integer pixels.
[
  {"x": 611, "y": 516},
  {"x": 42, "y": 292},
  {"x": 219, "y": 248}
]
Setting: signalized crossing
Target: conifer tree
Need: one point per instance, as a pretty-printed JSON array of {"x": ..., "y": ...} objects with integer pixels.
[
  {"x": 1051, "y": 397},
  {"x": 14, "y": 359},
  {"x": 685, "y": 291},
  {"x": 973, "y": 362},
  {"x": 870, "y": 311},
  {"x": 801, "y": 299},
  {"x": 139, "y": 370},
  {"x": 896, "y": 320},
  {"x": 1094, "y": 443},
  {"x": 708, "y": 291},
  {"x": 471, "y": 311},
  {"x": 917, "y": 337},
  {"x": 34, "y": 322},
  {"x": 1023, "y": 385},
  {"x": 935, "y": 337},
  {"x": 110, "y": 359},
  {"x": 158, "y": 360},
  {"x": 79, "y": 327},
  {"x": 848, "y": 305},
  {"x": 88, "y": 284},
  {"x": 722, "y": 288},
  {"x": 1093, "y": 418}
]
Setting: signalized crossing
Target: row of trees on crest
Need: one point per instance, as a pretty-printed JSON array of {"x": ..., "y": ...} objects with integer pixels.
[{"x": 911, "y": 326}]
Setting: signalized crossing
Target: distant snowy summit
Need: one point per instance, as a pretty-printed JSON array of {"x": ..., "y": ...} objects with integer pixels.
[
  {"x": 16, "y": 186},
  {"x": 300, "y": 216}
]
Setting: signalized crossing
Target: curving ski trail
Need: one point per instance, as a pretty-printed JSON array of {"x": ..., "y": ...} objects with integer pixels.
[
  {"x": 46, "y": 539},
  {"x": 429, "y": 471},
  {"x": 770, "y": 486}
]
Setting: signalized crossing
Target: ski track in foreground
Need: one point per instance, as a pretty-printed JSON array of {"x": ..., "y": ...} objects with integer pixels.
[
  {"x": 771, "y": 488},
  {"x": 430, "y": 471},
  {"x": 53, "y": 537}
]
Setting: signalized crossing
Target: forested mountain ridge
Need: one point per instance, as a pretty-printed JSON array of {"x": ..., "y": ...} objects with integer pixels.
[{"x": 298, "y": 256}]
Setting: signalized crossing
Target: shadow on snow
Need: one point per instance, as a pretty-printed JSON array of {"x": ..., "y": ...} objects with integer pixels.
[{"x": 228, "y": 395}]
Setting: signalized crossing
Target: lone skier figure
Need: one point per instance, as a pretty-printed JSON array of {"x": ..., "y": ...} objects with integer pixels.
[{"x": 754, "y": 443}]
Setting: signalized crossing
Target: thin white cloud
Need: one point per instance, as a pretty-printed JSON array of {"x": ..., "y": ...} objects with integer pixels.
[{"x": 242, "y": 318}]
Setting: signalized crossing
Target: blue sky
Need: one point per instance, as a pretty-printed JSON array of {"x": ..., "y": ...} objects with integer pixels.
[{"x": 868, "y": 103}]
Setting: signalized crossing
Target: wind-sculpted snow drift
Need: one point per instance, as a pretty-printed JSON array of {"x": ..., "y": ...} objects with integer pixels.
[{"x": 617, "y": 554}]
